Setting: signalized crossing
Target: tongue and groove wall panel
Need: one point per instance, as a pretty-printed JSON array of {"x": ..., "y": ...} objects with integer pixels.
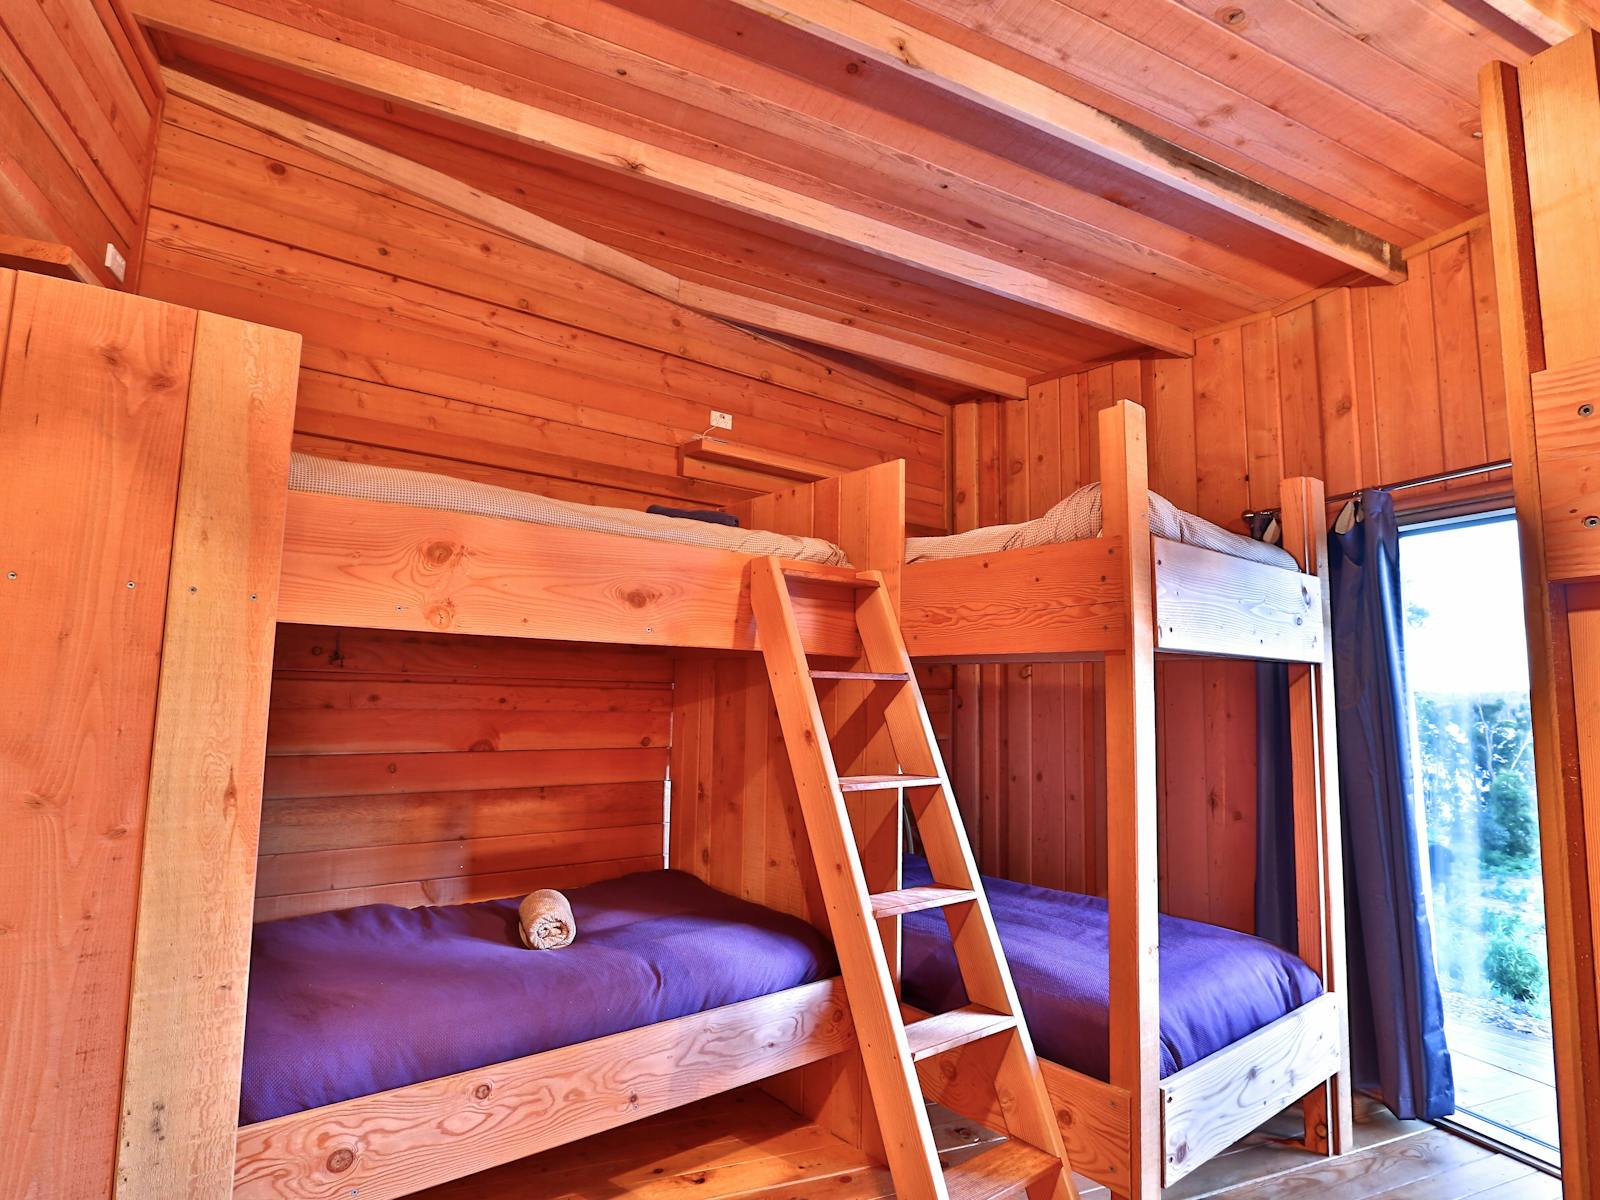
[{"x": 1361, "y": 386}]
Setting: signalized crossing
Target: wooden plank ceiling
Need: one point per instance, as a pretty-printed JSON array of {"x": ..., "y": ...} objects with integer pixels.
[{"x": 973, "y": 192}]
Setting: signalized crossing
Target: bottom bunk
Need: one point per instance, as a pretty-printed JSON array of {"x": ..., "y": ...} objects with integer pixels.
[
  {"x": 388, "y": 1049},
  {"x": 1245, "y": 1027}
]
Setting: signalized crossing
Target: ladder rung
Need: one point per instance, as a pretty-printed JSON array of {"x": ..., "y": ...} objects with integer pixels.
[
  {"x": 910, "y": 900},
  {"x": 881, "y": 783},
  {"x": 866, "y": 676},
  {"x": 945, "y": 1031},
  {"x": 816, "y": 573},
  {"x": 1001, "y": 1171}
]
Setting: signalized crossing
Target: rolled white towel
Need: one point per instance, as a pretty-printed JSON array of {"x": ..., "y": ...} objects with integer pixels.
[{"x": 545, "y": 920}]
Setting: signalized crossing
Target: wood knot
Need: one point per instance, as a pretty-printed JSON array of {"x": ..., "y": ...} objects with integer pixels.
[
  {"x": 341, "y": 1160},
  {"x": 439, "y": 553},
  {"x": 277, "y": 168},
  {"x": 482, "y": 1091},
  {"x": 640, "y": 597},
  {"x": 441, "y": 616}
]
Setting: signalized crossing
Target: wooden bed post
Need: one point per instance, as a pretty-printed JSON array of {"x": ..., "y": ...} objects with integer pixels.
[
  {"x": 1131, "y": 799},
  {"x": 1318, "y": 840},
  {"x": 180, "y": 1097}
]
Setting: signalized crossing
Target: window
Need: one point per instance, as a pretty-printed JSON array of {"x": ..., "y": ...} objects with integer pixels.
[{"x": 1467, "y": 675}]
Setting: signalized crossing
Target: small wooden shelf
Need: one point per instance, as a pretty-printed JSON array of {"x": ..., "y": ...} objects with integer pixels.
[
  {"x": 753, "y": 458},
  {"x": 44, "y": 258}
]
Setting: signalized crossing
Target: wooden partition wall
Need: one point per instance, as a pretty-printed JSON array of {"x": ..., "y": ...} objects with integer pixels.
[
  {"x": 415, "y": 769},
  {"x": 85, "y": 569},
  {"x": 1542, "y": 148},
  {"x": 146, "y": 452},
  {"x": 1358, "y": 386}
]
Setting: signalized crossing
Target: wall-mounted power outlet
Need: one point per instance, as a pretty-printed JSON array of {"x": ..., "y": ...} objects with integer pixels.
[
  {"x": 115, "y": 263},
  {"x": 721, "y": 420}
]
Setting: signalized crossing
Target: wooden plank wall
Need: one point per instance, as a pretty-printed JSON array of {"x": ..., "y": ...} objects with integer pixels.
[
  {"x": 732, "y": 785},
  {"x": 1360, "y": 386},
  {"x": 433, "y": 342},
  {"x": 80, "y": 104},
  {"x": 416, "y": 769}
]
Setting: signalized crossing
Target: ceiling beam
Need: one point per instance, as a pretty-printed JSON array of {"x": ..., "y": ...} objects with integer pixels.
[
  {"x": 1550, "y": 21},
  {"x": 493, "y": 213},
  {"x": 854, "y": 26},
  {"x": 286, "y": 46}
]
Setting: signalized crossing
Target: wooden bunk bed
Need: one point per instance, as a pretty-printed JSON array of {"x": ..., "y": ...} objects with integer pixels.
[
  {"x": 372, "y": 564},
  {"x": 346, "y": 561},
  {"x": 1123, "y": 598}
]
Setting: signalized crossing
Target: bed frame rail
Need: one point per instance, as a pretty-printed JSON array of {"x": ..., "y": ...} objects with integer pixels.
[
  {"x": 1208, "y": 1106},
  {"x": 1208, "y": 603},
  {"x": 375, "y": 565},
  {"x": 401, "y": 1141},
  {"x": 1046, "y": 602},
  {"x": 1072, "y": 602}
]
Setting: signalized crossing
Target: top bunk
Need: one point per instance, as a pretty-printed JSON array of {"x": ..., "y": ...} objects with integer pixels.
[
  {"x": 382, "y": 548},
  {"x": 1113, "y": 563}
]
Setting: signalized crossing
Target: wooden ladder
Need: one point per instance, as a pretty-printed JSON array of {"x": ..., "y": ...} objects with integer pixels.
[{"x": 1032, "y": 1160}]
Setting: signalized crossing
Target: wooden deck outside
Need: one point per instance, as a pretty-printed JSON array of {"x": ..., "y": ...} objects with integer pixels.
[
  {"x": 746, "y": 1146},
  {"x": 1505, "y": 1080}
]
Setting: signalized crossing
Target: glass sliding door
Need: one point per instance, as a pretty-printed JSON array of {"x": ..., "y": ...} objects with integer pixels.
[{"x": 1467, "y": 675}]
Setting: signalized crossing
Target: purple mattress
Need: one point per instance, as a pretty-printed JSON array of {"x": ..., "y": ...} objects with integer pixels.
[
  {"x": 343, "y": 1004},
  {"x": 1217, "y": 986}
]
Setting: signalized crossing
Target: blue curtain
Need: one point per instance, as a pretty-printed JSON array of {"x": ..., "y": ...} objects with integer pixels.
[{"x": 1396, "y": 1012}]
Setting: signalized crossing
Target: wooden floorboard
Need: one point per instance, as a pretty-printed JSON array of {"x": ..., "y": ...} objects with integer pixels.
[{"x": 747, "y": 1146}]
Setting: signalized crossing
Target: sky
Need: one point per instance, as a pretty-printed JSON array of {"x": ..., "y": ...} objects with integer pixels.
[{"x": 1470, "y": 582}]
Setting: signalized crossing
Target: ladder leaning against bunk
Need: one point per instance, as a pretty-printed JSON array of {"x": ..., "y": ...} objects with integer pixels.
[{"x": 1033, "y": 1159}]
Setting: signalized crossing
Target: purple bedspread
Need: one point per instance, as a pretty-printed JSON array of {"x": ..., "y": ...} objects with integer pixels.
[
  {"x": 1217, "y": 986},
  {"x": 343, "y": 1004}
]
